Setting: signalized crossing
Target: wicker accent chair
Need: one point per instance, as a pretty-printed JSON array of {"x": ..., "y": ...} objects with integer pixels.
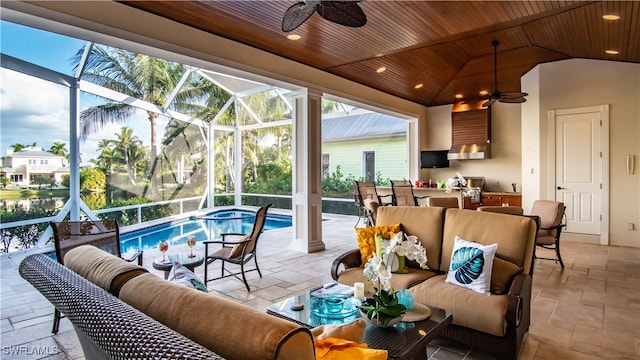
[
  {"x": 403, "y": 193},
  {"x": 551, "y": 214},
  {"x": 236, "y": 252},
  {"x": 445, "y": 201},
  {"x": 511, "y": 210},
  {"x": 103, "y": 234}
]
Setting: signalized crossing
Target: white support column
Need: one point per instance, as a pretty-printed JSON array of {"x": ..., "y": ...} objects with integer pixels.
[
  {"x": 74, "y": 150},
  {"x": 238, "y": 157},
  {"x": 307, "y": 171},
  {"x": 210, "y": 163}
]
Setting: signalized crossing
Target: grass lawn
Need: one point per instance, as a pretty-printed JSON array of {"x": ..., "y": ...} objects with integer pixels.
[{"x": 17, "y": 194}]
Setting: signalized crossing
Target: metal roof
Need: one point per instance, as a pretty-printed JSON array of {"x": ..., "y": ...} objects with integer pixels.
[
  {"x": 31, "y": 152},
  {"x": 362, "y": 126}
]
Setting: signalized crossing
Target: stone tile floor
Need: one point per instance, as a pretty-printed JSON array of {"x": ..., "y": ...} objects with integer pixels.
[{"x": 589, "y": 310}]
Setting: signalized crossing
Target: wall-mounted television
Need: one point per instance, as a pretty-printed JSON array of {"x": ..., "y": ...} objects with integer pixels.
[{"x": 433, "y": 159}]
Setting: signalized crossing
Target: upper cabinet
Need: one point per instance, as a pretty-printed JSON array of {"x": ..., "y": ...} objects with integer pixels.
[{"x": 471, "y": 127}]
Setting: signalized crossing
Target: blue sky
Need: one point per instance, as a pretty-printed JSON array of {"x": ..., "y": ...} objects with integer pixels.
[{"x": 33, "y": 110}]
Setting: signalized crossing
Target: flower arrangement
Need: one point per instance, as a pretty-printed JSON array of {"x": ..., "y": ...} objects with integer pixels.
[{"x": 384, "y": 305}]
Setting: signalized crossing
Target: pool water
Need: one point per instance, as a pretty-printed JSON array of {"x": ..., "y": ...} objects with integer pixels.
[{"x": 205, "y": 227}]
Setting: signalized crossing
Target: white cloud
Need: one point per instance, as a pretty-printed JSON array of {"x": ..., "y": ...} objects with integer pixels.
[{"x": 34, "y": 110}]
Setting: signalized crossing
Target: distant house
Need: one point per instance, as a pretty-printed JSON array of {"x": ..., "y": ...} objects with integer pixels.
[
  {"x": 21, "y": 167},
  {"x": 364, "y": 144}
]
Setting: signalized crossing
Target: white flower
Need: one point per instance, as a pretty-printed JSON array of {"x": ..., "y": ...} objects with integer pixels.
[{"x": 378, "y": 272}]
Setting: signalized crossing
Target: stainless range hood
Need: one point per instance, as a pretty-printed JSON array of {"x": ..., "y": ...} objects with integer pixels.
[
  {"x": 470, "y": 151},
  {"x": 470, "y": 132}
]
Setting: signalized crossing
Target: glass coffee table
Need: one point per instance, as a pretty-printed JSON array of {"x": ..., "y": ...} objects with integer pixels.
[{"x": 404, "y": 340}]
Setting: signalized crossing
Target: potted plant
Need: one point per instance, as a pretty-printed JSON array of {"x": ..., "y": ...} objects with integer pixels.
[{"x": 383, "y": 308}]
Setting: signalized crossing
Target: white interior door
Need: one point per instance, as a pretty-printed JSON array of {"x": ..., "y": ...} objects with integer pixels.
[{"x": 579, "y": 169}]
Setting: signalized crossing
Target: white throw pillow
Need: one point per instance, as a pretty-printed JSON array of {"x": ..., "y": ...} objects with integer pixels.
[
  {"x": 183, "y": 276},
  {"x": 471, "y": 265}
]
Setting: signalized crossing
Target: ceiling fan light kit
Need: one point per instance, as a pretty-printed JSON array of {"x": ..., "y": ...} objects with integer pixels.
[
  {"x": 347, "y": 13},
  {"x": 509, "y": 98}
]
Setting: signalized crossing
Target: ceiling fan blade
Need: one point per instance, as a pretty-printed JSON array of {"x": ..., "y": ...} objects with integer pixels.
[
  {"x": 512, "y": 100},
  {"x": 297, "y": 14},
  {"x": 347, "y": 13},
  {"x": 489, "y": 102},
  {"x": 512, "y": 95}
]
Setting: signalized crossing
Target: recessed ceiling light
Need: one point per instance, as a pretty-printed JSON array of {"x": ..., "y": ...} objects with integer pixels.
[
  {"x": 381, "y": 69},
  {"x": 611, "y": 17},
  {"x": 484, "y": 92},
  {"x": 612, "y": 52},
  {"x": 418, "y": 86},
  {"x": 458, "y": 96},
  {"x": 379, "y": 55},
  {"x": 294, "y": 37}
]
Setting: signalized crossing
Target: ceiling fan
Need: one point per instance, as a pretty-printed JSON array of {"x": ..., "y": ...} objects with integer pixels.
[
  {"x": 505, "y": 97},
  {"x": 347, "y": 13}
]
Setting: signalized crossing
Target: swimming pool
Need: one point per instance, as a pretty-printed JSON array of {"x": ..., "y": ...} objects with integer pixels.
[{"x": 204, "y": 227}]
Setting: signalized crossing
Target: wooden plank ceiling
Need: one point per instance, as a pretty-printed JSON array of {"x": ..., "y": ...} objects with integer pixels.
[{"x": 443, "y": 45}]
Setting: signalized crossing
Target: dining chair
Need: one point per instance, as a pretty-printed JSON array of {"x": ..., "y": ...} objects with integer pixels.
[
  {"x": 443, "y": 201},
  {"x": 403, "y": 193},
  {"x": 237, "y": 252},
  {"x": 551, "y": 214},
  {"x": 366, "y": 194},
  {"x": 103, "y": 234}
]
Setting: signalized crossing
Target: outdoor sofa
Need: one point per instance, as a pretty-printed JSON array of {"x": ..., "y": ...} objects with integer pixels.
[
  {"x": 120, "y": 311},
  {"x": 494, "y": 323}
]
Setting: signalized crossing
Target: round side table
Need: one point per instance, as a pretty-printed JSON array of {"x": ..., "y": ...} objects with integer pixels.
[{"x": 184, "y": 259}]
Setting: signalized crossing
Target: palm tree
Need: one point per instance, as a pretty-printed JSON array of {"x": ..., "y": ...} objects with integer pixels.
[
  {"x": 105, "y": 156},
  {"x": 139, "y": 76},
  {"x": 126, "y": 147},
  {"x": 59, "y": 148},
  {"x": 17, "y": 146}
]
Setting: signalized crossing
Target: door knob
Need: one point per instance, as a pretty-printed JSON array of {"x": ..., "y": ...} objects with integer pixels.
[{"x": 561, "y": 188}]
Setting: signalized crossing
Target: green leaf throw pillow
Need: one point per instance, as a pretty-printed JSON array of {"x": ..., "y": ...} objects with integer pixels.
[
  {"x": 185, "y": 277},
  {"x": 471, "y": 265}
]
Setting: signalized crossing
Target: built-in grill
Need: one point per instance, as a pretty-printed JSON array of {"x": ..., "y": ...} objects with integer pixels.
[{"x": 475, "y": 186}]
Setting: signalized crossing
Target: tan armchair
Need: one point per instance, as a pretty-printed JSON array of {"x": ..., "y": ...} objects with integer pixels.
[
  {"x": 445, "y": 202},
  {"x": 550, "y": 214}
]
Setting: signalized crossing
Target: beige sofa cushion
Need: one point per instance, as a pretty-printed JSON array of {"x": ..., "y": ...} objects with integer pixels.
[
  {"x": 423, "y": 222},
  {"x": 232, "y": 330},
  {"x": 515, "y": 235},
  {"x": 502, "y": 275},
  {"x": 485, "y": 313},
  {"x": 101, "y": 268},
  {"x": 398, "y": 281}
]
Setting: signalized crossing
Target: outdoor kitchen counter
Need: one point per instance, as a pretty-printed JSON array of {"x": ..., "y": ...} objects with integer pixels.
[{"x": 422, "y": 191}]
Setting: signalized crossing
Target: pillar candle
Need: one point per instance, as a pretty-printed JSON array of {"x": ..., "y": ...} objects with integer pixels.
[{"x": 358, "y": 291}]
